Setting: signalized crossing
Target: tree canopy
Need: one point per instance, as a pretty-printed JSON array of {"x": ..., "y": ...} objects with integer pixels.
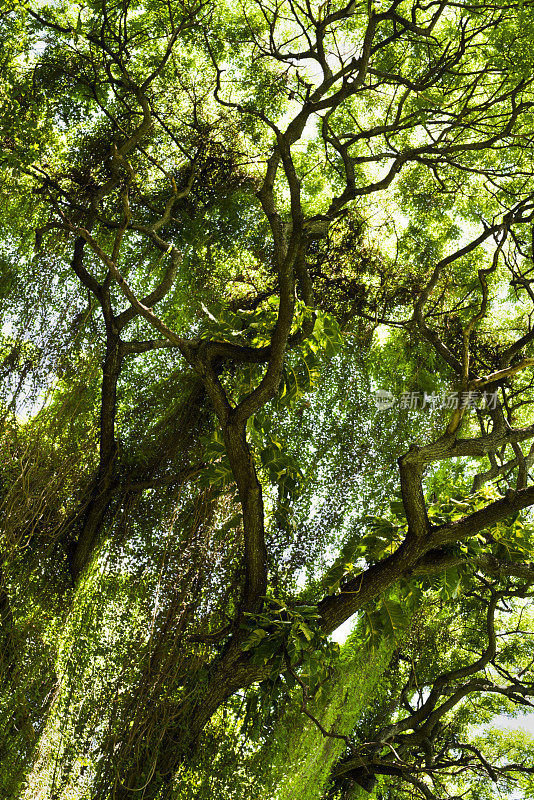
[{"x": 224, "y": 228}]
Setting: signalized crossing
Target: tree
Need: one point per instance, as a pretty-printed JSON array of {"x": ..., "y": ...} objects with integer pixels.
[{"x": 220, "y": 226}]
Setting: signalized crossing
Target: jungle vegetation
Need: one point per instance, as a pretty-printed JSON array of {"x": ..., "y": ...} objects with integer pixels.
[{"x": 224, "y": 227}]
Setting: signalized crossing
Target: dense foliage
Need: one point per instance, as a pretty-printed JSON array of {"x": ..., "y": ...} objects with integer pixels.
[{"x": 224, "y": 227}]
